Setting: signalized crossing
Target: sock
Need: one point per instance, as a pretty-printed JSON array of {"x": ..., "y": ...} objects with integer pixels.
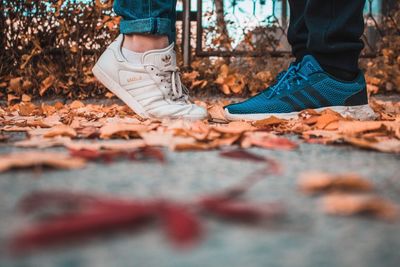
[
  {"x": 132, "y": 56},
  {"x": 340, "y": 73}
]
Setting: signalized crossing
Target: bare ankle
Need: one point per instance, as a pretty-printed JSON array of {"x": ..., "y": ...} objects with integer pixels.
[{"x": 141, "y": 43}]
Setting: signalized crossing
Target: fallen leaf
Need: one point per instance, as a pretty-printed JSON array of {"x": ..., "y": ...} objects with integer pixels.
[
  {"x": 34, "y": 159},
  {"x": 217, "y": 113},
  {"x": 182, "y": 226},
  {"x": 317, "y": 182},
  {"x": 325, "y": 120},
  {"x": 358, "y": 127},
  {"x": 242, "y": 211},
  {"x": 359, "y": 204},
  {"x": 60, "y": 130},
  {"x": 26, "y": 109},
  {"x": 46, "y": 84},
  {"x": 73, "y": 226},
  {"x": 117, "y": 145},
  {"x": 388, "y": 145},
  {"x": 41, "y": 142},
  {"x": 242, "y": 155},
  {"x": 123, "y": 130},
  {"x": 270, "y": 141},
  {"x": 270, "y": 121},
  {"x": 26, "y": 98},
  {"x": 15, "y": 85},
  {"x": 76, "y": 104},
  {"x": 235, "y": 127}
]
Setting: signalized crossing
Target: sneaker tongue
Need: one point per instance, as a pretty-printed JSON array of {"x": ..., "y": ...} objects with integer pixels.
[
  {"x": 161, "y": 57},
  {"x": 309, "y": 65}
]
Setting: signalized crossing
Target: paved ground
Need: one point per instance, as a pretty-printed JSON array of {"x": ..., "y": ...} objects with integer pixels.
[{"x": 307, "y": 238}]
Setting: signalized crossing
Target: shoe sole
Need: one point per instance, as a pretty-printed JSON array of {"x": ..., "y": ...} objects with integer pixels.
[
  {"x": 362, "y": 112},
  {"x": 122, "y": 94}
]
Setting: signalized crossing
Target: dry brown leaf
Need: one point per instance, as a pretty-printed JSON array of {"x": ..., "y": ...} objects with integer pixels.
[
  {"x": 76, "y": 104},
  {"x": 35, "y": 159},
  {"x": 26, "y": 98},
  {"x": 357, "y": 127},
  {"x": 11, "y": 98},
  {"x": 48, "y": 109},
  {"x": 321, "y": 136},
  {"x": 325, "y": 120},
  {"x": 123, "y": 130},
  {"x": 270, "y": 141},
  {"x": 115, "y": 145},
  {"x": 41, "y": 142},
  {"x": 356, "y": 204},
  {"x": 46, "y": 84},
  {"x": 15, "y": 85},
  {"x": 26, "y": 109},
  {"x": 58, "y": 130},
  {"x": 234, "y": 127},
  {"x": 317, "y": 182},
  {"x": 269, "y": 122},
  {"x": 12, "y": 128},
  {"x": 154, "y": 138},
  {"x": 388, "y": 145},
  {"x": 217, "y": 113},
  {"x": 184, "y": 146}
]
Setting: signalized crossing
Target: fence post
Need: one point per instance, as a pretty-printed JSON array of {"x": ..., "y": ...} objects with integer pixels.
[
  {"x": 284, "y": 14},
  {"x": 186, "y": 33}
]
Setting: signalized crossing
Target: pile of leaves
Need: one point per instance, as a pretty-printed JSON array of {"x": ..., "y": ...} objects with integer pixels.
[
  {"x": 98, "y": 128},
  {"x": 383, "y": 72},
  {"x": 50, "y": 47},
  {"x": 106, "y": 133}
]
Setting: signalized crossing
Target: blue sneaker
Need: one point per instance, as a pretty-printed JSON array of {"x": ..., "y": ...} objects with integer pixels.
[{"x": 305, "y": 86}]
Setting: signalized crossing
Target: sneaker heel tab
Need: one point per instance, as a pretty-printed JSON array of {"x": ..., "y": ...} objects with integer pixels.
[{"x": 116, "y": 47}]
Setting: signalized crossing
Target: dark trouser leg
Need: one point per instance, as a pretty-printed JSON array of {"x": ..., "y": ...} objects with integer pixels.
[
  {"x": 335, "y": 28},
  {"x": 298, "y": 32},
  {"x": 147, "y": 17}
]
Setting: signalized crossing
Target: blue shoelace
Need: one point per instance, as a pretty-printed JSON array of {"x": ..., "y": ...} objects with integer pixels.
[{"x": 285, "y": 79}]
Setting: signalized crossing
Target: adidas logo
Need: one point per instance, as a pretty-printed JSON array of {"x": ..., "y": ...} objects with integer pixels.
[
  {"x": 166, "y": 59},
  {"x": 134, "y": 79}
]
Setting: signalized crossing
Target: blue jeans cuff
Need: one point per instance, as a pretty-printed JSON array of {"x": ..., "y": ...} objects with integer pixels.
[{"x": 159, "y": 26}]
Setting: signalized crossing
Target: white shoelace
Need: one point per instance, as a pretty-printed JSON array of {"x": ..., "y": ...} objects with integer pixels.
[{"x": 177, "y": 91}]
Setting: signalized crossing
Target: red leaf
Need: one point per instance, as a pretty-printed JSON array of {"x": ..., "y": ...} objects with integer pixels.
[
  {"x": 241, "y": 211},
  {"x": 73, "y": 226},
  {"x": 145, "y": 153},
  {"x": 151, "y": 153},
  {"x": 275, "y": 143},
  {"x": 93, "y": 155},
  {"x": 243, "y": 154},
  {"x": 183, "y": 227}
]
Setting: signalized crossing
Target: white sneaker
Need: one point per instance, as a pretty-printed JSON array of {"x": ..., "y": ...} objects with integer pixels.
[{"x": 152, "y": 90}]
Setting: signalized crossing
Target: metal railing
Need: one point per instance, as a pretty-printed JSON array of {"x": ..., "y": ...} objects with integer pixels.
[{"x": 375, "y": 12}]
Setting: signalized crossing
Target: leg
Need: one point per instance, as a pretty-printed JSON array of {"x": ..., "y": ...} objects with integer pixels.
[
  {"x": 298, "y": 32},
  {"x": 147, "y": 25},
  {"x": 335, "y": 28},
  {"x": 139, "y": 67},
  {"x": 330, "y": 56}
]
